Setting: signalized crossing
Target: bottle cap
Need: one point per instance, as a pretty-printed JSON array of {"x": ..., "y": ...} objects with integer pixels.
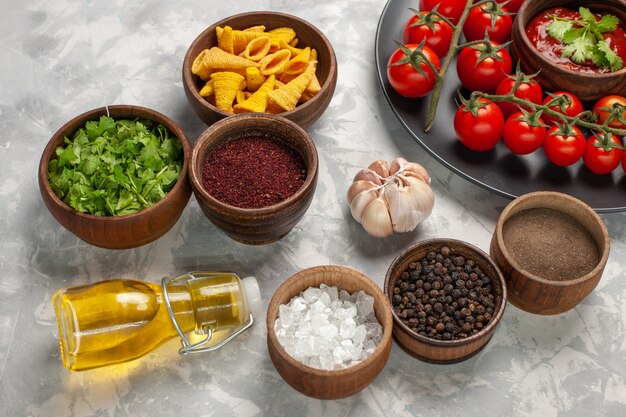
[{"x": 253, "y": 296}]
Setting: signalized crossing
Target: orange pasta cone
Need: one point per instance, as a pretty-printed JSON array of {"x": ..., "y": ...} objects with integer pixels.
[
  {"x": 226, "y": 85},
  {"x": 257, "y": 102},
  {"x": 299, "y": 63},
  {"x": 274, "y": 63},
  {"x": 314, "y": 86},
  {"x": 225, "y": 39},
  {"x": 207, "y": 90},
  {"x": 287, "y": 97},
  {"x": 216, "y": 58},
  {"x": 257, "y": 48},
  {"x": 254, "y": 78},
  {"x": 240, "y": 97},
  {"x": 294, "y": 51},
  {"x": 199, "y": 67},
  {"x": 259, "y": 28}
]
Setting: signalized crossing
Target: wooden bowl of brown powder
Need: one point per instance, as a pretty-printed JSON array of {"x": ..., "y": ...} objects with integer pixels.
[{"x": 552, "y": 249}]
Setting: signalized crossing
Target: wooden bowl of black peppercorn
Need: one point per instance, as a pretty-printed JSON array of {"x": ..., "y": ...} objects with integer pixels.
[{"x": 447, "y": 299}]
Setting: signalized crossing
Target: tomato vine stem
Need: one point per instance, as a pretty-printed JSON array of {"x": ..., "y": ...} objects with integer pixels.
[
  {"x": 441, "y": 74},
  {"x": 511, "y": 98}
]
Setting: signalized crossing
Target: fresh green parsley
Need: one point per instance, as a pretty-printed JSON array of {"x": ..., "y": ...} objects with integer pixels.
[
  {"x": 584, "y": 41},
  {"x": 116, "y": 167}
]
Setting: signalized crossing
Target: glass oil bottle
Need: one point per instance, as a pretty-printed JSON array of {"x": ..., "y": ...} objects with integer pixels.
[{"x": 119, "y": 320}]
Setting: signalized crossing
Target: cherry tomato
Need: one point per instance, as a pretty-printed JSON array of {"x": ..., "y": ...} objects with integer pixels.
[
  {"x": 624, "y": 162},
  {"x": 452, "y": 9},
  {"x": 483, "y": 131},
  {"x": 480, "y": 18},
  {"x": 520, "y": 136},
  {"x": 406, "y": 80},
  {"x": 530, "y": 91},
  {"x": 438, "y": 39},
  {"x": 512, "y": 5},
  {"x": 603, "y": 114},
  {"x": 485, "y": 75},
  {"x": 564, "y": 149},
  {"x": 572, "y": 109},
  {"x": 600, "y": 161}
]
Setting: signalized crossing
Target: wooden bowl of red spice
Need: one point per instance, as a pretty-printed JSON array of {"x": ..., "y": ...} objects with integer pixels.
[
  {"x": 552, "y": 249},
  {"x": 537, "y": 51},
  {"x": 254, "y": 176},
  {"x": 119, "y": 230},
  {"x": 305, "y": 114},
  {"x": 447, "y": 298}
]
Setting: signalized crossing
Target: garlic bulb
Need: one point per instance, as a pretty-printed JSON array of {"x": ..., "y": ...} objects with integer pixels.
[{"x": 387, "y": 198}]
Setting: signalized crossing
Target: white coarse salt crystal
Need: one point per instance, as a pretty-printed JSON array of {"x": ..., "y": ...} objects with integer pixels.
[
  {"x": 325, "y": 299},
  {"x": 287, "y": 316},
  {"x": 359, "y": 334},
  {"x": 347, "y": 328},
  {"x": 317, "y": 307},
  {"x": 332, "y": 292},
  {"x": 298, "y": 304},
  {"x": 311, "y": 295},
  {"x": 328, "y": 331},
  {"x": 364, "y": 303},
  {"x": 327, "y": 328}
]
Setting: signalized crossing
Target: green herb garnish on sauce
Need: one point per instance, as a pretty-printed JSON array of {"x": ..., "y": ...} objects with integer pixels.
[
  {"x": 584, "y": 41},
  {"x": 116, "y": 167}
]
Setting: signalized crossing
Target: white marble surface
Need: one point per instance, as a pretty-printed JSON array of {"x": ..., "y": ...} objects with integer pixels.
[{"x": 61, "y": 57}]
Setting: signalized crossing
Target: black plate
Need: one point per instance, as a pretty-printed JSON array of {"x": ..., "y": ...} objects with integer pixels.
[{"x": 497, "y": 170}]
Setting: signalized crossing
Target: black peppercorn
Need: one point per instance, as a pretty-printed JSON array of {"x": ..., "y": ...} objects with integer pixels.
[{"x": 440, "y": 296}]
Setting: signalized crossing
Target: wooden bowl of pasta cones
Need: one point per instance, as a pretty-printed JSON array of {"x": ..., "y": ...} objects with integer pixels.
[{"x": 266, "y": 62}]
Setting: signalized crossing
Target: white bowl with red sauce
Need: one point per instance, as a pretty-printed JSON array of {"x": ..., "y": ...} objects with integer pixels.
[{"x": 587, "y": 82}]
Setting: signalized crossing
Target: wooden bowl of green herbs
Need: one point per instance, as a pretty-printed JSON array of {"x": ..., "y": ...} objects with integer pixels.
[{"x": 116, "y": 176}]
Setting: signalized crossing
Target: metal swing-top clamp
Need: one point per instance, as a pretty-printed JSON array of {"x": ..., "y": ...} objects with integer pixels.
[{"x": 198, "y": 347}]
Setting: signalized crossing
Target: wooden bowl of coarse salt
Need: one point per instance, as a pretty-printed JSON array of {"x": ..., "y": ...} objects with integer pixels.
[{"x": 339, "y": 382}]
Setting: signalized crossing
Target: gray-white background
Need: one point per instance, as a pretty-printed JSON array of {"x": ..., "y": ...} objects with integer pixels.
[{"x": 60, "y": 58}]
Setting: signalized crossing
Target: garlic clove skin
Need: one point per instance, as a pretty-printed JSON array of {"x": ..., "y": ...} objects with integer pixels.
[
  {"x": 368, "y": 175},
  {"x": 361, "y": 201},
  {"x": 404, "y": 216},
  {"x": 402, "y": 166},
  {"x": 421, "y": 196},
  {"x": 381, "y": 167},
  {"x": 357, "y": 187},
  {"x": 376, "y": 220},
  {"x": 421, "y": 177},
  {"x": 397, "y": 165}
]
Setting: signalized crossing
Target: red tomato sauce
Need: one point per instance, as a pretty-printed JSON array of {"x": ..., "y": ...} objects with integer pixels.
[{"x": 552, "y": 48}]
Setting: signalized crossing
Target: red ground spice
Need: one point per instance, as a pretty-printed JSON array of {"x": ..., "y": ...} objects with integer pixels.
[{"x": 253, "y": 172}]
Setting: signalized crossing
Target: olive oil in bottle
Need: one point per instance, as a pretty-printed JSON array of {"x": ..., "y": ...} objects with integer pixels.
[{"x": 119, "y": 320}]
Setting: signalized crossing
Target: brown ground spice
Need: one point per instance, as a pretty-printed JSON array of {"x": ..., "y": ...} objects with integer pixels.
[{"x": 550, "y": 244}]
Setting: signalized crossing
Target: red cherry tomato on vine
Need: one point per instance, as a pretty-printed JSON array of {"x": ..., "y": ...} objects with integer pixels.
[
  {"x": 485, "y": 75},
  {"x": 520, "y": 136},
  {"x": 482, "y": 131},
  {"x": 624, "y": 162},
  {"x": 512, "y": 5},
  {"x": 574, "y": 108},
  {"x": 480, "y": 18},
  {"x": 598, "y": 159},
  {"x": 603, "y": 114},
  {"x": 530, "y": 91},
  {"x": 452, "y": 9},
  {"x": 438, "y": 39},
  {"x": 405, "y": 79},
  {"x": 564, "y": 149}
]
